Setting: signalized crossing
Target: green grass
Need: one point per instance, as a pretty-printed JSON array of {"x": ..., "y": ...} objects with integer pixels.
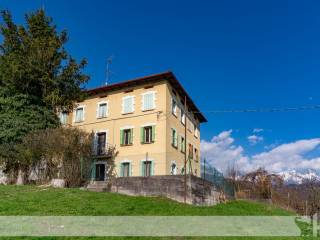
[
  {"x": 31, "y": 200},
  {"x": 37, "y": 201}
]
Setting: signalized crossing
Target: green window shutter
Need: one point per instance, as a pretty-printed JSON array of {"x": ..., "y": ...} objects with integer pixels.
[
  {"x": 152, "y": 168},
  {"x": 130, "y": 169},
  {"x": 142, "y": 134},
  {"x": 131, "y": 135},
  {"x": 153, "y": 133},
  {"x": 121, "y": 170},
  {"x": 141, "y": 168},
  {"x": 121, "y": 137}
]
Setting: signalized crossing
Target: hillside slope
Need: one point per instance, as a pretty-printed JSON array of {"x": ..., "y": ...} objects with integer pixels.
[{"x": 31, "y": 200}]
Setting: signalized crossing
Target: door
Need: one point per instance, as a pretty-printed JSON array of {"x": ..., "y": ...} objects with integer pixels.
[
  {"x": 101, "y": 143},
  {"x": 100, "y": 172}
]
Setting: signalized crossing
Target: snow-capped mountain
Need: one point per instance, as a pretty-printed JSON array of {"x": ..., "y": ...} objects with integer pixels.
[{"x": 297, "y": 177}]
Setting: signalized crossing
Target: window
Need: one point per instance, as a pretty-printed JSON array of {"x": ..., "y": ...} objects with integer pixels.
[
  {"x": 173, "y": 169},
  {"x": 182, "y": 144},
  {"x": 126, "y": 137},
  {"x": 174, "y": 139},
  {"x": 147, "y": 134},
  {"x": 183, "y": 117},
  {"x": 190, "y": 125},
  {"x": 101, "y": 144},
  {"x": 196, "y": 131},
  {"x": 127, "y": 104},
  {"x": 64, "y": 118},
  {"x": 196, "y": 154},
  {"x": 146, "y": 168},
  {"x": 148, "y": 101},
  {"x": 102, "y": 110},
  {"x": 125, "y": 169},
  {"x": 174, "y": 107},
  {"x": 79, "y": 114},
  {"x": 190, "y": 151}
]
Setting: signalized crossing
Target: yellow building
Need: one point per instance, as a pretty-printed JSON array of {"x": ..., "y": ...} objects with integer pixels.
[{"x": 144, "y": 119}]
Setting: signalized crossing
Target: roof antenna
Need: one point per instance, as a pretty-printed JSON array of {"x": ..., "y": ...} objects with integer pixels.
[{"x": 108, "y": 72}]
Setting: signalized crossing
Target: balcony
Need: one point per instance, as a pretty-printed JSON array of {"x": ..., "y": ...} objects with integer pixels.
[{"x": 103, "y": 151}]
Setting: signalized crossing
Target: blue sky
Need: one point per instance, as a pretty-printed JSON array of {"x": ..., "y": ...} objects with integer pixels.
[{"x": 227, "y": 54}]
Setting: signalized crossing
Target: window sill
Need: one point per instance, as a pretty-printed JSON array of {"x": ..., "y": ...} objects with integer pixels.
[
  {"x": 101, "y": 117},
  {"x": 127, "y": 113},
  {"x": 126, "y": 145},
  {"x": 176, "y": 147},
  {"x": 148, "y": 110},
  {"x": 147, "y": 142},
  {"x": 79, "y": 121}
]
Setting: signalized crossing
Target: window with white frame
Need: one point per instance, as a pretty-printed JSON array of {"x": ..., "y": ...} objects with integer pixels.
[
  {"x": 183, "y": 117},
  {"x": 174, "y": 107},
  {"x": 147, "y": 134},
  {"x": 173, "y": 168},
  {"x": 196, "y": 131},
  {"x": 189, "y": 124},
  {"x": 148, "y": 101},
  {"x": 174, "y": 138},
  {"x": 79, "y": 114},
  {"x": 127, "y": 104},
  {"x": 126, "y": 137},
  {"x": 102, "y": 110},
  {"x": 125, "y": 169},
  {"x": 147, "y": 168},
  {"x": 63, "y": 118}
]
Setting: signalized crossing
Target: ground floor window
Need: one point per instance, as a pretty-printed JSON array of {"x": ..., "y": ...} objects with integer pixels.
[
  {"x": 146, "y": 168},
  {"x": 125, "y": 169},
  {"x": 174, "y": 169}
]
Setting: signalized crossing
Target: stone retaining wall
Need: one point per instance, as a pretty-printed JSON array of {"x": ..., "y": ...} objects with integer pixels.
[{"x": 199, "y": 191}]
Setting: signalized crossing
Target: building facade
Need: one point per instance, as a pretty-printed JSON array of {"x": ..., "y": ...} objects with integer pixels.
[{"x": 144, "y": 120}]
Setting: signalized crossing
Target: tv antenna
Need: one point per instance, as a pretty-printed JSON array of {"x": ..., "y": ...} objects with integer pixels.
[{"x": 108, "y": 72}]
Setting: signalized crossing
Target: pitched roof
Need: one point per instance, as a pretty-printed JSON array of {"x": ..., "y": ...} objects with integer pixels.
[{"x": 169, "y": 76}]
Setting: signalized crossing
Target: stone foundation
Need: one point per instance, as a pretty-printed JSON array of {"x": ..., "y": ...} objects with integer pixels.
[{"x": 199, "y": 191}]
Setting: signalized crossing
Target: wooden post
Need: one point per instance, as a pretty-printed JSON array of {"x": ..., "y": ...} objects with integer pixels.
[
  {"x": 204, "y": 169},
  {"x": 185, "y": 150}
]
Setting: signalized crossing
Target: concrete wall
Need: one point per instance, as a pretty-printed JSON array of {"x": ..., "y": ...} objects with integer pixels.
[{"x": 199, "y": 192}]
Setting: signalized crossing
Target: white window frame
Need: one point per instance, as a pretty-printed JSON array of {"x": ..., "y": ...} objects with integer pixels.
[
  {"x": 177, "y": 138},
  {"x": 183, "y": 118},
  {"x": 133, "y": 104},
  {"x": 60, "y": 118},
  {"x": 130, "y": 167},
  {"x": 152, "y": 165},
  {"x": 175, "y": 110},
  {"x": 176, "y": 173},
  {"x": 106, "y": 131},
  {"x": 98, "y": 108},
  {"x": 127, "y": 128},
  {"x": 83, "y": 115},
  {"x": 153, "y": 102},
  {"x": 196, "y": 131}
]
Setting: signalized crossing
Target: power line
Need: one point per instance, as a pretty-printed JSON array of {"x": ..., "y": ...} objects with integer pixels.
[{"x": 253, "y": 110}]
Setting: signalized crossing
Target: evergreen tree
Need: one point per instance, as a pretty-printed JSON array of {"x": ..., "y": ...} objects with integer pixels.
[{"x": 38, "y": 78}]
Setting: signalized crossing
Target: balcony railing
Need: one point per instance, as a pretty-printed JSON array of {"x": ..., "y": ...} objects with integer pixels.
[{"x": 104, "y": 151}]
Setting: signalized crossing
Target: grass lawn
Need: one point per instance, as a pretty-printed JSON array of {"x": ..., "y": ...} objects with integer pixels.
[{"x": 36, "y": 201}]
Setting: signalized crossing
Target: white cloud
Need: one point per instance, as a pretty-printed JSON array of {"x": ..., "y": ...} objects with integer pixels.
[
  {"x": 222, "y": 152},
  {"x": 257, "y": 130},
  {"x": 254, "y": 139}
]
